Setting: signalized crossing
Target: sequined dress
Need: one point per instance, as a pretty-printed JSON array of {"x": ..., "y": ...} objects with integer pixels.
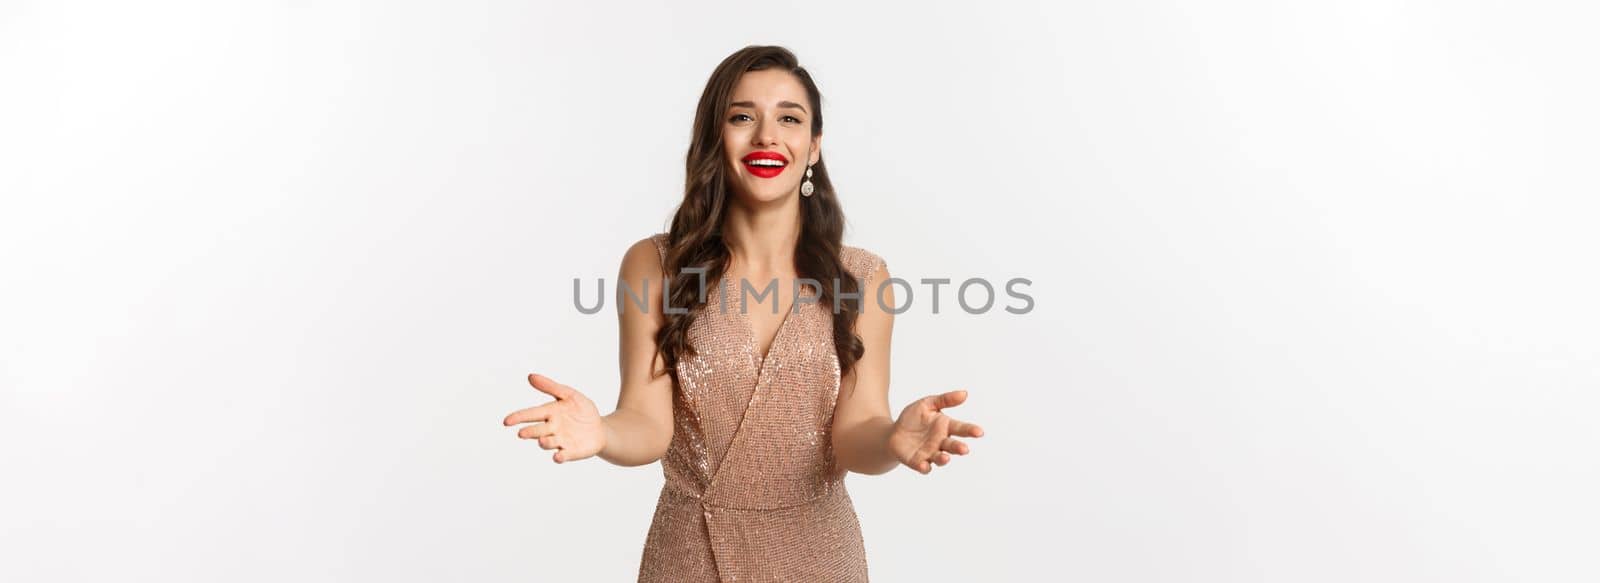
[{"x": 752, "y": 490}]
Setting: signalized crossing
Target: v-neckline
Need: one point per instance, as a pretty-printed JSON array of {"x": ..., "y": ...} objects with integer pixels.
[{"x": 750, "y": 327}]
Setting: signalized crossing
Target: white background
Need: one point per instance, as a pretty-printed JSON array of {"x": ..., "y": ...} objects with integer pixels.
[{"x": 1314, "y": 282}]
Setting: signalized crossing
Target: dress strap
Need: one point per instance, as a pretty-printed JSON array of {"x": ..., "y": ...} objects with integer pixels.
[
  {"x": 660, "y": 239},
  {"x": 862, "y": 264}
]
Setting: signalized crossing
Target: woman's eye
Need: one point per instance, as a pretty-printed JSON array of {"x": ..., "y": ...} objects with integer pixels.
[{"x": 742, "y": 117}]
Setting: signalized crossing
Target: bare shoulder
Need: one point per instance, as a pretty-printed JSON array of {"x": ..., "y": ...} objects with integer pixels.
[{"x": 644, "y": 258}]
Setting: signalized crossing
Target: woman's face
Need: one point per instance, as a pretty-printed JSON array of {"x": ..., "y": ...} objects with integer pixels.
[{"x": 768, "y": 118}]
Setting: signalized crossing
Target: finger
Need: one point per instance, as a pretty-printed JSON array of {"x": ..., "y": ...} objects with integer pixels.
[
  {"x": 559, "y": 457},
  {"x": 550, "y": 442},
  {"x": 540, "y": 413},
  {"x": 941, "y": 458},
  {"x": 536, "y": 431},
  {"x": 949, "y": 399},
  {"x": 964, "y": 429},
  {"x": 549, "y": 387},
  {"x": 954, "y": 446}
]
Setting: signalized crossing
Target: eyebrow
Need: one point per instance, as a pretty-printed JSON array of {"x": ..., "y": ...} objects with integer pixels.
[{"x": 752, "y": 105}]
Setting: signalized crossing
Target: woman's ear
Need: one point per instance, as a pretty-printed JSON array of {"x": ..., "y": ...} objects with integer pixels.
[{"x": 816, "y": 150}]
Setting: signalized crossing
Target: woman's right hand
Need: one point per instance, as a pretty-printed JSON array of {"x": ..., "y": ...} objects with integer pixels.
[{"x": 570, "y": 424}]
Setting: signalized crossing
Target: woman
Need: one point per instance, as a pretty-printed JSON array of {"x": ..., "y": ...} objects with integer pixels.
[{"x": 755, "y": 411}]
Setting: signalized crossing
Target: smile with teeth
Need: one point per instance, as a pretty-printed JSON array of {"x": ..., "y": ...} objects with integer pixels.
[{"x": 765, "y": 164}]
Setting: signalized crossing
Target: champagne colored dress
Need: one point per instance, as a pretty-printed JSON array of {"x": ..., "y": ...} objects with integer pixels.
[{"x": 752, "y": 490}]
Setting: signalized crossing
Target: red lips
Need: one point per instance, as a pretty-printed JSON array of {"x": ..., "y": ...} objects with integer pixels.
[{"x": 765, "y": 171}]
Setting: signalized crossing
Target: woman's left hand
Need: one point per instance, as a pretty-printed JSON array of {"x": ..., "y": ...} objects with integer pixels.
[{"x": 924, "y": 436}]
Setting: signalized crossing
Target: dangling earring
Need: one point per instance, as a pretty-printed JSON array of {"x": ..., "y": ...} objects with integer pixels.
[{"x": 805, "y": 187}]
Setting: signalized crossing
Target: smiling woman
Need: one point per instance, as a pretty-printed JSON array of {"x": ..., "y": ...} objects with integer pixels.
[{"x": 756, "y": 415}]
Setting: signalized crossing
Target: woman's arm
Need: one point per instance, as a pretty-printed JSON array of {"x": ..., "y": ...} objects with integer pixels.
[
  {"x": 861, "y": 422},
  {"x": 640, "y": 430},
  {"x": 865, "y": 439}
]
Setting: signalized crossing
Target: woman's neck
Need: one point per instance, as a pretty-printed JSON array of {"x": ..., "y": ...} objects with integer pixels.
[{"x": 763, "y": 238}]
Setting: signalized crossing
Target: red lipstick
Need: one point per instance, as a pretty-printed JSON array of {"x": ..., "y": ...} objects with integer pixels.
[{"x": 765, "y": 168}]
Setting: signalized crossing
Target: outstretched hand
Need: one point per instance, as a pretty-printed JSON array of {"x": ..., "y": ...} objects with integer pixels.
[
  {"x": 570, "y": 424},
  {"x": 924, "y": 436}
]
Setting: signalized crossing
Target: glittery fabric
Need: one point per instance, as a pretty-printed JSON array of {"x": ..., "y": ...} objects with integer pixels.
[{"x": 752, "y": 490}]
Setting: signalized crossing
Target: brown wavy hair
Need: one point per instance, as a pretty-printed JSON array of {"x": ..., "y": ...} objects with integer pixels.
[{"x": 695, "y": 238}]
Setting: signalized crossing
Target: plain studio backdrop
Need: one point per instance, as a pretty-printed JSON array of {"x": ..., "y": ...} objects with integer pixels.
[{"x": 1314, "y": 283}]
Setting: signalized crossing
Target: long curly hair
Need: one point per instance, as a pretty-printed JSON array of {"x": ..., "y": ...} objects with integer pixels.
[{"x": 695, "y": 238}]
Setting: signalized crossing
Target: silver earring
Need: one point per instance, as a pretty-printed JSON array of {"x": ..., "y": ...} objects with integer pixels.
[{"x": 805, "y": 187}]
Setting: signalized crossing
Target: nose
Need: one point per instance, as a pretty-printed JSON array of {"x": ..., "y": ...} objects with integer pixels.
[{"x": 765, "y": 138}]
